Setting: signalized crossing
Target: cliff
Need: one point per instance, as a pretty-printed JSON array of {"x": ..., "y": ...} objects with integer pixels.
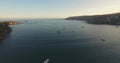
[{"x": 113, "y": 19}]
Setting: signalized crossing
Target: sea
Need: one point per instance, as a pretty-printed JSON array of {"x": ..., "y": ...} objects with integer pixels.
[{"x": 60, "y": 41}]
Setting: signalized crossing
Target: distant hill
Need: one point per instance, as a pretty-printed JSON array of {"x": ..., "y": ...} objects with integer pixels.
[{"x": 113, "y": 19}]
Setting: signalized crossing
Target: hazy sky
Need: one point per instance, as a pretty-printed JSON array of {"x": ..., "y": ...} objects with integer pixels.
[{"x": 56, "y": 8}]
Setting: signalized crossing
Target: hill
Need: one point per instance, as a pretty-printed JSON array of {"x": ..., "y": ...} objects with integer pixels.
[{"x": 113, "y": 19}]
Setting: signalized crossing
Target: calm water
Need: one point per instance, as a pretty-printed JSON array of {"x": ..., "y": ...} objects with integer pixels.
[{"x": 61, "y": 41}]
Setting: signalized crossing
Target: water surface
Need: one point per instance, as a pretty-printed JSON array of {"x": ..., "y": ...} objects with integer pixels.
[{"x": 61, "y": 41}]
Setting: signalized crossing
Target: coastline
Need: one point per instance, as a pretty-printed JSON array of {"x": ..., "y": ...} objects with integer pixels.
[
  {"x": 110, "y": 19},
  {"x": 5, "y": 28}
]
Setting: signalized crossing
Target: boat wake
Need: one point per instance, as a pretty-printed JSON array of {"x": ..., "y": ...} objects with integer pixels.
[{"x": 46, "y": 61}]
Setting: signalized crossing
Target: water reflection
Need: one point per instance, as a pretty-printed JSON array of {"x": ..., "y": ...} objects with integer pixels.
[
  {"x": 58, "y": 32},
  {"x": 117, "y": 26},
  {"x": 103, "y": 40},
  {"x": 4, "y": 36},
  {"x": 82, "y": 27}
]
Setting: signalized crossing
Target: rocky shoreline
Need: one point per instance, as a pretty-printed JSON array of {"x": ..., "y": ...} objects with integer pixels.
[{"x": 5, "y": 28}]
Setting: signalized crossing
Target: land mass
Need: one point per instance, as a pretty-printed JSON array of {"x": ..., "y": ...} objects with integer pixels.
[
  {"x": 113, "y": 19},
  {"x": 5, "y": 28}
]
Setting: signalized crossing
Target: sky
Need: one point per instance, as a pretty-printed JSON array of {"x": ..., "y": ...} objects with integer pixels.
[{"x": 56, "y": 8}]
